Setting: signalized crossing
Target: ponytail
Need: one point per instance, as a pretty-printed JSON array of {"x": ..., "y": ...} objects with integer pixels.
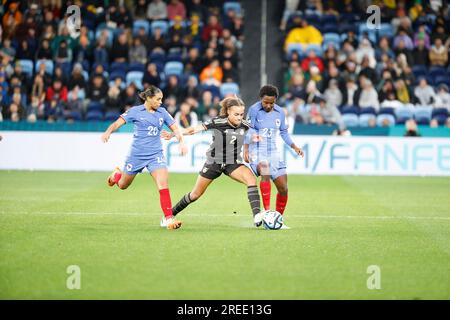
[{"x": 151, "y": 91}]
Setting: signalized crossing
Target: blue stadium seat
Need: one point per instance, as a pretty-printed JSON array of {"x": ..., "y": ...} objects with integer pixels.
[
  {"x": 294, "y": 47},
  {"x": 385, "y": 30},
  {"x": 387, "y": 111},
  {"x": 118, "y": 66},
  {"x": 138, "y": 24},
  {"x": 235, "y": 6},
  {"x": 157, "y": 57},
  {"x": 173, "y": 68},
  {"x": 350, "y": 109},
  {"x": 94, "y": 106},
  {"x": 104, "y": 65},
  {"x": 163, "y": 25},
  {"x": 439, "y": 112},
  {"x": 422, "y": 114},
  {"x": 75, "y": 115},
  {"x": 174, "y": 56},
  {"x": 365, "y": 118},
  {"x": 368, "y": 110},
  {"x": 117, "y": 74},
  {"x": 436, "y": 71},
  {"x": 136, "y": 78},
  {"x": 213, "y": 89},
  {"x": 329, "y": 19},
  {"x": 112, "y": 115},
  {"x": 419, "y": 70},
  {"x": 317, "y": 49},
  {"x": 442, "y": 79},
  {"x": 441, "y": 119},
  {"x": 229, "y": 88},
  {"x": 382, "y": 117},
  {"x": 313, "y": 19},
  {"x": 350, "y": 120},
  {"x": 332, "y": 37},
  {"x": 94, "y": 115},
  {"x": 136, "y": 66},
  {"x": 66, "y": 67},
  {"x": 328, "y": 28},
  {"x": 27, "y": 67},
  {"x": 49, "y": 65},
  {"x": 403, "y": 114}
]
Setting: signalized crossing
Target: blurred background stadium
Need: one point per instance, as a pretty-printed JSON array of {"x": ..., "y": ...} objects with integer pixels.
[{"x": 360, "y": 100}]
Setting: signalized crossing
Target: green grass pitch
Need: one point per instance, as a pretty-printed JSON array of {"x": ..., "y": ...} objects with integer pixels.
[{"x": 340, "y": 226}]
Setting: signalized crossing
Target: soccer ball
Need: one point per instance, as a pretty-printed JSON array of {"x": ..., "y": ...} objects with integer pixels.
[{"x": 272, "y": 220}]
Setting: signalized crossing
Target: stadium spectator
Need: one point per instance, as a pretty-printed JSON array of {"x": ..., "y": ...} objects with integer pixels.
[
  {"x": 404, "y": 92},
  {"x": 325, "y": 113},
  {"x": 120, "y": 49},
  {"x": 303, "y": 33},
  {"x": 74, "y": 104},
  {"x": 185, "y": 117},
  {"x": 151, "y": 76},
  {"x": 422, "y": 34},
  {"x": 312, "y": 58},
  {"x": 230, "y": 74},
  {"x": 411, "y": 129},
  {"x": 438, "y": 54},
  {"x": 157, "y": 41},
  {"x": 157, "y": 10},
  {"x": 191, "y": 90},
  {"x": 98, "y": 90},
  {"x": 7, "y": 49},
  {"x": 424, "y": 93},
  {"x": 12, "y": 18},
  {"x": 405, "y": 38},
  {"x": 212, "y": 74},
  {"x": 442, "y": 97},
  {"x": 130, "y": 96},
  {"x": 58, "y": 74},
  {"x": 101, "y": 55},
  {"x": 137, "y": 52},
  {"x": 197, "y": 8},
  {"x": 77, "y": 79},
  {"x": 176, "y": 8},
  {"x": 365, "y": 49},
  {"x": 384, "y": 48},
  {"x": 171, "y": 105},
  {"x": 113, "y": 101},
  {"x": 206, "y": 104},
  {"x": 57, "y": 92},
  {"x": 212, "y": 26},
  {"x": 420, "y": 54},
  {"x": 366, "y": 96},
  {"x": 333, "y": 95},
  {"x": 289, "y": 8},
  {"x": 194, "y": 29},
  {"x": 173, "y": 88}
]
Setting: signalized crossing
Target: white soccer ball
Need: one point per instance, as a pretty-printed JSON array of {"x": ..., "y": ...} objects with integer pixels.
[{"x": 272, "y": 220}]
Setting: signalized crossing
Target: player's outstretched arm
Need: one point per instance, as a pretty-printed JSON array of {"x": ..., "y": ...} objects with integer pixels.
[
  {"x": 177, "y": 133},
  {"x": 113, "y": 127}
]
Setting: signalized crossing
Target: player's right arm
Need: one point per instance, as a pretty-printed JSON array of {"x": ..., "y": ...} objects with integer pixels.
[{"x": 113, "y": 127}]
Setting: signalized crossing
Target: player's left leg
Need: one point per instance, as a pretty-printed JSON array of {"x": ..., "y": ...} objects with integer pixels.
[
  {"x": 282, "y": 196},
  {"x": 161, "y": 178},
  {"x": 244, "y": 175}
]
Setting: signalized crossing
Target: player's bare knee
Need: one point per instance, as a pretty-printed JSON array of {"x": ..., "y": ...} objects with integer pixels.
[{"x": 283, "y": 190}]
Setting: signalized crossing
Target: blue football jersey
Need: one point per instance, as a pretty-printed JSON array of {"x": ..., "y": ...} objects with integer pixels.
[
  {"x": 268, "y": 125},
  {"x": 147, "y": 129}
]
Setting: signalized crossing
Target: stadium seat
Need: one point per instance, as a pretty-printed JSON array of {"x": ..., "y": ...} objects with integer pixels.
[
  {"x": 439, "y": 112},
  {"x": 350, "y": 109},
  {"x": 136, "y": 66},
  {"x": 163, "y": 25},
  {"x": 174, "y": 56},
  {"x": 328, "y": 28},
  {"x": 441, "y": 79},
  {"x": 368, "y": 110},
  {"x": 235, "y": 6},
  {"x": 317, "y": 49},
  {"x": 157, "y": 57},
  {"x": 229, "y": 88},
  {"x": 138, "y": 24},
  {"x": 436, "y": 71},
  {"x": 419, "y": 70},
  {"x": 294, "y": 47},
  {"x": 350, "y": 120},
  {"x": 94, "y": 115},
  {"x": 66, "y": 67},
  {"x": 441, "y": 119},
  {"x": 422, "y": 114},
  {"x": 403, "y": 114},
  {"x": 49, "y": 65},
  {"x": 136, "y": 78},
  {"x": 74, "y": 115},
  {"x": 332, "y": 37},
  {"x": 94, "y": 106},
  {"x": 385, "y": 30},
  {"x": 329, "y": 19},
  {"x": 387, "y": 111},
  {"x": 27, "y": 67},
  {"x": 213, "y": 89},
  {"x": 365, "y": 118},
  {"x": 112, "y": 115},
  {"x": 313, "y": 19},
  {"x": 173, "y": 68},
  {"x": 118, "y": 66},
  {"x": 117, "y": 74},
  {"x": 382, "y": 117},
  {"x": 104, "y": 65}
]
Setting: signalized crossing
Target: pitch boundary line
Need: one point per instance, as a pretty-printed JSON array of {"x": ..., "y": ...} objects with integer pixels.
[{"x": 230, "y": 215}]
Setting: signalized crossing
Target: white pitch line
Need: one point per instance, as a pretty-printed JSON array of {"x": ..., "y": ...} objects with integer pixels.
[{"x": 231, "y": 215}]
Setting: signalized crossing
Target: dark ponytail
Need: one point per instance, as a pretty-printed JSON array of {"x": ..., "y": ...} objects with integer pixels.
[{"x": 151, "y": 91}]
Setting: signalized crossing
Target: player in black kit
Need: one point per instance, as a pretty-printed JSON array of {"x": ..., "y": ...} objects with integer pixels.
[{"x": 223, "y": 156}]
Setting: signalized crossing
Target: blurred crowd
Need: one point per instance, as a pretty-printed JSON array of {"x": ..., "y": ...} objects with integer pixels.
[
  {"x": 52, "y": 71},
  {"x": 339, "y": 70}
]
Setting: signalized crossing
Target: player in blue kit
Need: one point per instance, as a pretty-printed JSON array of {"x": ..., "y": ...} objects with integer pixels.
[
  {"x": 268, "y": 120},
  {"x": 146, "y": 149}
]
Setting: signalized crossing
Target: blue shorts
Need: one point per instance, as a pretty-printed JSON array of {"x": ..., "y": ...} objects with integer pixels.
[
  {"x": 134, "y": 165},
  {"x": 277, "y": 169}
]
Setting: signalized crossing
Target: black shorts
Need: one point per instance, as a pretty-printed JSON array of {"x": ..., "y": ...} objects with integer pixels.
[{"x": 214, "y": 170}]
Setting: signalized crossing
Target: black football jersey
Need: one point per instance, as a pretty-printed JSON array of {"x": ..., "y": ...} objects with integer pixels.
[{"x": 226, "y": 147}]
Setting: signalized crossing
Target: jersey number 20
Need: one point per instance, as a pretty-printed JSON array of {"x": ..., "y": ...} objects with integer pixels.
[{"x": 152, "y": 131}]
